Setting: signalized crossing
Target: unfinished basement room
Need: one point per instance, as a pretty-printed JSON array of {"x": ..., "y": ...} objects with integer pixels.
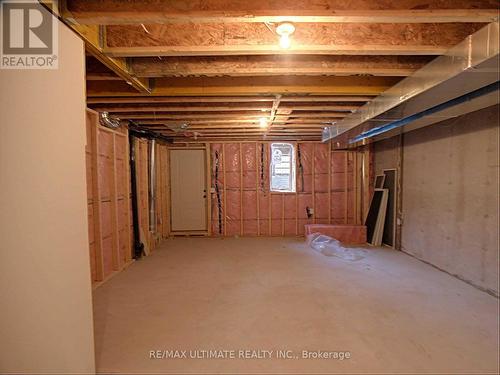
[{"x": 249, "y": 187}]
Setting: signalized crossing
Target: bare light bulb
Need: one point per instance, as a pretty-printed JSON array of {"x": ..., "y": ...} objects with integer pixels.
[
  {"x": 285, "y": 41},
  {"x": 263, "y": 122}
]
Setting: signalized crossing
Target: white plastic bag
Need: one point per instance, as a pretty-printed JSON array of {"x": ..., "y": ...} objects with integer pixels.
[{"x": 331, "y": 247}]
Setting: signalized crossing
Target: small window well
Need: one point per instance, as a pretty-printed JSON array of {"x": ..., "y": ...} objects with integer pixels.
[{"x": 282, "y": 168}]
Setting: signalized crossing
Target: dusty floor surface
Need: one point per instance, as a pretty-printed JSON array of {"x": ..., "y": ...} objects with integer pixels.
[{"x": 392, "y": 312}]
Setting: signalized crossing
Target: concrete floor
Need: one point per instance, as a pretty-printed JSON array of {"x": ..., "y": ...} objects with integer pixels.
[{"x": 392, "y": 312}]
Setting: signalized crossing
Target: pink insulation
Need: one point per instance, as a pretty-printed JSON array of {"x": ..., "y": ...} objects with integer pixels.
[
  {"x": 249, "y": 186},
  {"x": 217, "y": 180},
  {"x": 324, "y": 181},
  {"x": 290, "y": 208}
]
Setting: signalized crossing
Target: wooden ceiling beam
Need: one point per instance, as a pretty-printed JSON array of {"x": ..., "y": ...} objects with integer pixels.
[
  {"x": 231, "y": 116},
  {"x": 311, "y": 38},
  {"x": 220, "y": 86},
  {"x": 160, "y": 124},
  {"x": 229, "y": 128},
  {"x": 277, "y": 126},
  {"x": 223, "y": 99},
  {"x": 218, "y": 138},
  {"x": 264, "y": 110},
  {"x": 250, "y": 130},
  {"x": 92, "y": 35},
  {"x": 154, "y": 120},
  {"x": 274, "y": 49},
  {"x": 222, "y": 108},
  {"x": 193, "y": 116},
  {"x": 163, "y": 11},
  {"x": 268, "y": 65},
  {"x": 103, "y": 77},
  {"x": 241, "y": 123}
]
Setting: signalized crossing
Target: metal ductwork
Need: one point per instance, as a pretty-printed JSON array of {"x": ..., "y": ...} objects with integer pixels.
[
  {"x": 463, "y": 80},
  {"x": 108, "y": 122},
  {"x": 140, "y": 132}
]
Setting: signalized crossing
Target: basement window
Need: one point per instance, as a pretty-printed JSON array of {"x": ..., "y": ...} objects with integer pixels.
[{"x": 282, "y": 169}]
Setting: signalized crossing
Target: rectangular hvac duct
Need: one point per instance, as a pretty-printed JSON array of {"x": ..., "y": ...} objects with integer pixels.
[{"x": 467, "y": 67}]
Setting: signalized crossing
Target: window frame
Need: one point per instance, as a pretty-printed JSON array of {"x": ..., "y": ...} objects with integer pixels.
[{"x": 293, "y": 168}]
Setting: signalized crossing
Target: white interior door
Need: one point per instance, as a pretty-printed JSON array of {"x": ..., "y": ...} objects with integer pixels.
[{"x": 188, "y": 190}]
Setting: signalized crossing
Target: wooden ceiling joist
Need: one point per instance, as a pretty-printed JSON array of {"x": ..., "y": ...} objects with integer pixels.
[
  {"x": 236, "y": 128},
  {"x": 224, "y": 99},
  {"x": 217, "y": 66},
  {"x": 221, "y": 108},
  {"x": 93, "y": 38},
  {"x": 162, "y": 11},
  {"x": 332, "y": 108},
  {"x": 218, "y": 86},
  {"x": 103, "y": 77},
  {"x": 277, "y": 65},
  {"x": 311, "y": 38},
  {"x": 231, "y": 116},
  {"x": 243, "y": 122},
  {"x": 278, "y": 119}
]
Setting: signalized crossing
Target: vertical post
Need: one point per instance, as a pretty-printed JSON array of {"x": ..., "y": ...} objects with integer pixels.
[
  {"x": 329, "y": 182},
  {"x": 313, "y": 174},
  {"x": 152, "y": 186},
  {"x": 346, "y": 175},
  {"x": 241, "y": 189},
  {"x": 208, "y": 187},
  {"x": 167, "y": 190},
  {"x": 257, "y": 181},
  {"x": 225, "y": 187},
  {"x": 126, "y": 158},
  {"x": 356, "y": 190},
  {"x": 114, "y": 207},
  {"x": 296, "y": 191},
  {"x": 96, "y": 197},
  {"x": 269, "y": 200}
]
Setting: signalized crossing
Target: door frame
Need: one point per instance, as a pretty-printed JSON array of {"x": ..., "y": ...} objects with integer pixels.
[{"x": 208, "y": 201}]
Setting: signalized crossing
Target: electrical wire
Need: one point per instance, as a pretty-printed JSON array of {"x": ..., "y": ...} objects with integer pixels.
[
  {"x": 301, "y": 168},
  {"x": 217, "y": 191}
]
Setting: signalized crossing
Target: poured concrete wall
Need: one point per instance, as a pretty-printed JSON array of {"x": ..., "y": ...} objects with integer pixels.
[
  {"x": 45, "y": 291},
  {"x": 450, "y": 174},
  {"x": 386, "y": 154}
]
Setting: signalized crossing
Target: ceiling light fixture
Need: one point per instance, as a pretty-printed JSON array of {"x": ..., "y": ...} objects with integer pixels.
[
  {"x": 285, "y": 30},
  {"x": 263, "y": 122}
]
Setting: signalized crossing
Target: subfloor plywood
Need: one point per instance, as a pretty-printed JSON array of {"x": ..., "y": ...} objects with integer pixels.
[{"x": 392, "y": 312}]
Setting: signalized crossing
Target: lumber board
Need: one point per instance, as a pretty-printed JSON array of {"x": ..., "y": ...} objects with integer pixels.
[{"x": 326, "y": 11}]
